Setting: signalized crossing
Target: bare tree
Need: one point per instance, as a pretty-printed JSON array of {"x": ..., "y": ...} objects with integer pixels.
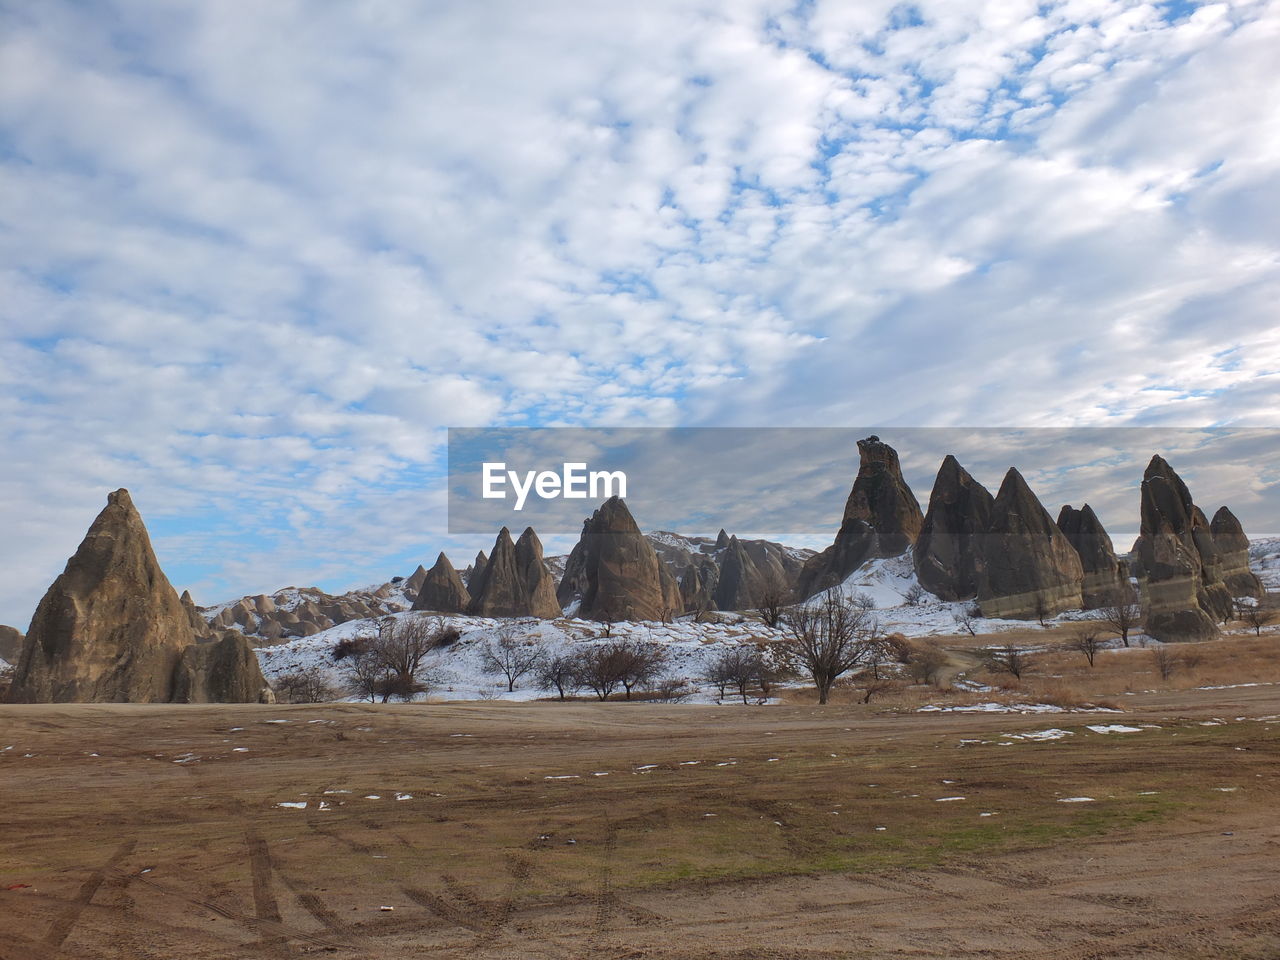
[
  {"x": 829, "y": 637},
  {"x": 1010, "y": 659},
  {"x": 966, "y": 618},
  {"x": 866, "y": 602},
  {"x": 391, "y": 662},
  {"x": 1255, "y": 615},
  {"x": 367, "y": 675},
  {"x": 771, "y": 599},
  {"x": 914, "y": 595},
  {"x": 737, "y": 667},
  {"x": 305, "y": 685},
  {"x": 1165, "y": 659},
  {"x": 672, "y": 689},
  {"x": 1088, "y": 640},
  {"x": 510, "y": 655},
  {"x": 1121, "y": 614},
  {"x": 599, "y": 667},
  {"x": 559, "y": 672},
  {"x": 641, "y": 664}
]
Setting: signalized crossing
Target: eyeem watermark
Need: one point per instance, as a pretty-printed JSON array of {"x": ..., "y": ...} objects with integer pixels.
[{"x": 573, "y": 482}]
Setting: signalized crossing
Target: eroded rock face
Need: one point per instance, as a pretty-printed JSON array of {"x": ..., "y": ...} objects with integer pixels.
[
  {"x": 224, "y": 671},
  {"x": 1179, "y": 565},
  {"x": 441, "y": 589},
  {"x": 471, "y": 576},
  {"x": 1105, "y": 578},
  {"x": 614, "y": 573},
  {"x": 1029, "y": 568},
  {"x": 947, "y": 554},
  {"x": 413, "y": 585},
  {"x": 110, "y": 628},
  {"x": 882, "y": 518},
  {"x": 10, "y": 644},
  {"x": 515, "y": 581},
  {"x": 1233, "y": 547}
]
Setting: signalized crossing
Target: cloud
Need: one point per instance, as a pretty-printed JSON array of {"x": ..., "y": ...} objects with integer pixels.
[{"x": 257, "y": 256}]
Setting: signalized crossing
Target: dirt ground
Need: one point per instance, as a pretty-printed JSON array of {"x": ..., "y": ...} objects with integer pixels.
[{"x": 612, "y": 830}]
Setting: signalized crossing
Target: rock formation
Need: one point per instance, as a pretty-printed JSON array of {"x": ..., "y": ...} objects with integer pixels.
[
  {"x": 1029, "y": 568},
  {"x": 1178, "y": 560},
  {"x": 613, "y": 572},
  {"x": 224, "y": 671},
  {"x": 749, "y": 573},
  {"x": 441, "y": 589},
  {"x": 881, "y": 519},
  {"x": 413, "y": 585},
  {"x": 112, "y": 629},
  {"x": 947, "y": 554},
  {"x": 1105, "y": 577},
  {"x": 514, "y": 581},
  {"x": 10, "y": 644},
  {"x": 1233, "y": 547},
  {"x": 471, "y": 576},
  {"x": 697, "y": 564}
]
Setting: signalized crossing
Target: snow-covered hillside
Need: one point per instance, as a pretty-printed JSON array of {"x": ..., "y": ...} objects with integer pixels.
[
  {"x": 1264, "y": 558},
  {"x": 456, "y": 672}
]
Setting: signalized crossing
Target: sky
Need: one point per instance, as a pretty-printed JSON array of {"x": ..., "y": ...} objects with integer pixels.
[{"x": 256, "y": 258}]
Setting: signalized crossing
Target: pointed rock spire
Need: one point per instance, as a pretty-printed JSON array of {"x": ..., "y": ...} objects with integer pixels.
[
  {"x": 475, "y": 571},
  {"x": 11, "y": 640},
  {"x": 613, "y": 572},
  {"x": 1180, "y": 565},
  {"x": 947, "y": 554},
  {"x": 1105, "y": 577},
  {"x": 514, "y": 583},
  {"x": 441, "y": 589},
  {"x": 413, "y": 584},
  {"x": 1030, "y": 569},
  {"x": 110, "y": 628},
  {"x": 881, "y": 519},
  {"x": 1233, "y": 547}
]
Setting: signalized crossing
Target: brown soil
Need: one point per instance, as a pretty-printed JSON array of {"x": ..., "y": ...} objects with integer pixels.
[{"x": 512, "y": 846}]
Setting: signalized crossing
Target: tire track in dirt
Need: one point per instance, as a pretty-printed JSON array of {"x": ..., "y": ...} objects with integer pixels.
[
  {"x": 265, "y": 905},
  {"x": 63, "y": 925}
]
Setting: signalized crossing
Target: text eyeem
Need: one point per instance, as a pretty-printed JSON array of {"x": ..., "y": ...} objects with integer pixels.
[{"x": 573, "y": 482}]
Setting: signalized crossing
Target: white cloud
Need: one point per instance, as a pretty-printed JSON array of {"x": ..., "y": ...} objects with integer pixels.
[{"x": 258, "y": 255}]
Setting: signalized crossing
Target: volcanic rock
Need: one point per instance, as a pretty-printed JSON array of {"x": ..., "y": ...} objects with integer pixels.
[
  {"x": 441, "y": 589},
  {"x": 225, "y": 671},
  {"x": 10, "y": 644},
  {"x": 614, "y": 573},
  {"x": 1178, "y": 563},
  {"x": 413, "y": 584},
  {"x": 471, "y": 576},
  {"x": 881, "y": 519},
  {"x": 948, "y": 552},
  {"x": 1105, "y": 578},
  {"x": 1233, "y": 547},
  {"x": 1029, "y": 567},
  {"x": 515, "y": 581},
  {"x": 110, "y": 628}
]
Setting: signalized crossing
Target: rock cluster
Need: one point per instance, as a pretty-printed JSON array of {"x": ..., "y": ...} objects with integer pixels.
[
  {"x": 112, "y": 629},
  {"x": 728, "y": 573},
  {"x": 1029, "y": 567},
  {"x": 1105, "y": 577},
  {"x": 515, "y": 581},
  {"x": 613, "y": 572},
  {"x": 882, "y": 518},
  {"x": 441, "y": 589},
  {"x": 1188, "y": 572}
]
